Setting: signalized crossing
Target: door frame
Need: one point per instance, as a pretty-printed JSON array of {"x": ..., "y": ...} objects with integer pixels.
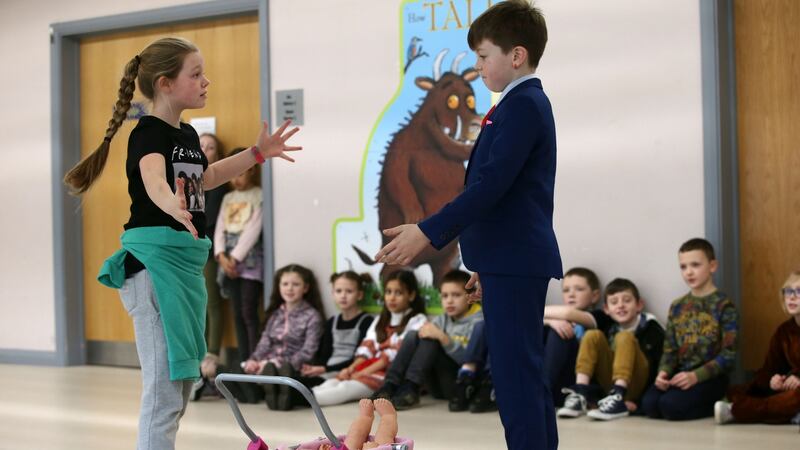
[
  {"x": 65, "y": 37},
  {"x": 720, "y": 147}
]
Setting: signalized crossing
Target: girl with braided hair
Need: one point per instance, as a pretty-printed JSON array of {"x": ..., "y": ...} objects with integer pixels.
[{"x": 159, "y": 270}]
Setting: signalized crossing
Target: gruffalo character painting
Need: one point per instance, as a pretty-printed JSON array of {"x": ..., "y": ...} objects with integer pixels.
[{"x": 415, "y": 160}]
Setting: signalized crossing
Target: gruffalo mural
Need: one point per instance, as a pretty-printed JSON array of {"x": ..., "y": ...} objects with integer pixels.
[
  {"x": 417, "y": 151},
  {"x": 423, "y": 167}
]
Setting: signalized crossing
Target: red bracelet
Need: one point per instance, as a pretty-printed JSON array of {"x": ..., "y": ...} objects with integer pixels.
[{"x": 259, "y": 157}]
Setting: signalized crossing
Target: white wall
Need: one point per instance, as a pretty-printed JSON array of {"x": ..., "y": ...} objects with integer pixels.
[{"x": 623, "y": 76}]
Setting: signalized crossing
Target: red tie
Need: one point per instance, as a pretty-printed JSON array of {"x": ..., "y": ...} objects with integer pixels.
[{"x": 486, "y": 117}]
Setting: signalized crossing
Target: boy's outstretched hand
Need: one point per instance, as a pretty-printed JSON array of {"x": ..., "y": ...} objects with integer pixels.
[{"x": 409, "y": 241}]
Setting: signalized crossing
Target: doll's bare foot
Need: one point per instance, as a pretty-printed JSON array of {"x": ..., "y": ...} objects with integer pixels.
[
  {"x": 359, "y": 429},
  {"x": 387, "y": 428}
]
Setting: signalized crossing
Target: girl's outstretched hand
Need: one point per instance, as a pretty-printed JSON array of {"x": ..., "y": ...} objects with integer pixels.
[
  {"x": 179, "y": 211},
  {"x": 274, "y": 145}
]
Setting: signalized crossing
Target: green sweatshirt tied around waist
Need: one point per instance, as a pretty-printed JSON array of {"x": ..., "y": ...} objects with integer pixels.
[{"x": 174, "y": 261}]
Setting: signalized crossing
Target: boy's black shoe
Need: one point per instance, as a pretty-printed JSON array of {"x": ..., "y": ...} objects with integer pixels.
[
  {"x": 407, "y": 396},
  {"x": 484, "y": 400},
  {"x": 464, "y": 391},
  {"x": 284, "y": 396},
  {"x": 270, "y": 390},
  {"x": 386, "y": 391}
]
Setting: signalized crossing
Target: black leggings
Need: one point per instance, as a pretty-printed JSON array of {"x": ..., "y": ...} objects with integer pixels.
[{"x": 245, "y": 295}]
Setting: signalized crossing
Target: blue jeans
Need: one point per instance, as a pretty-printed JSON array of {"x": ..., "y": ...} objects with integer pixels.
[{"x": 477, "y": 352}]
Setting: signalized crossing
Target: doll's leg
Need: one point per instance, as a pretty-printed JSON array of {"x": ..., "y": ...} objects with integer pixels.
[
  {"x": 387, "y": 428},
  {"x": 359, "y": 429}
]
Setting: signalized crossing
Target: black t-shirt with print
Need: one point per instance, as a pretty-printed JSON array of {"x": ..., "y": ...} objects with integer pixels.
[{"x": 183, "y": 158}]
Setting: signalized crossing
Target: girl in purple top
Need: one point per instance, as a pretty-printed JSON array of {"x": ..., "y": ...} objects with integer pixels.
[{"x": 292, "y": 334}]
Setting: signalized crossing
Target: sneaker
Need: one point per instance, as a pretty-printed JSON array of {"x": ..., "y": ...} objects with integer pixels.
[
  {"x": 574, "y": 404},
  {"x": 386, "y": 391},
  {"x": 464, "y": 391},
  {"x": 270, "y": 390},
  {"x": 796, "y": 419},
  {"x": 484, "y": 399},
  {"x": 722, "y": 412},
  {"x": 407, "y": 397},
  {"x": 197, "y": 389},
  {"x": 609, "y": 408}
]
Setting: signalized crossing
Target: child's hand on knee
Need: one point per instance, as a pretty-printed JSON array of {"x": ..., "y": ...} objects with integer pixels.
[{"x": 252, "y": 366}]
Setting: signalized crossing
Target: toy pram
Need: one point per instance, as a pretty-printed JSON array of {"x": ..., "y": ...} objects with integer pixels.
[{"x": 256, "y": 443}]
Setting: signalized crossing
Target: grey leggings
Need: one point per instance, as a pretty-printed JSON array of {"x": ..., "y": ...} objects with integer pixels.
[{"x": 163, "y": 401}]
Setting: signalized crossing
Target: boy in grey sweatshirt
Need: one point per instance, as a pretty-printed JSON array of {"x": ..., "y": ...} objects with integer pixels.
[{"x": 436, "y": 351}]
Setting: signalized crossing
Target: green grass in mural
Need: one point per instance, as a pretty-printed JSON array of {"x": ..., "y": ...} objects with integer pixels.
[{"x": 373, "y": 303}]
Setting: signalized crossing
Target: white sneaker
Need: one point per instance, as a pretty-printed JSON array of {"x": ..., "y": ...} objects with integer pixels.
[
  {"x": 574, "y": 404},
  {"x": 722, "y": 412}
]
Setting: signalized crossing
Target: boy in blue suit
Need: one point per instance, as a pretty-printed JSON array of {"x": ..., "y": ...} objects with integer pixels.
[{"x": 505, "y": 218}]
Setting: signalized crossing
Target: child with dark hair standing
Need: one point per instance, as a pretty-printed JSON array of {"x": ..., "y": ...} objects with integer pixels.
[
  {"x": 436, "y": 351},
  {"x": 700, "y": 342},
  {"x": 240, "y": 254},
  {"x": 504, "y": 218},
  {"x": 773, "y": 396},
  {"x": 403, "y": 311},
  {"x": 621, "y": 358},
  {"x": 292, "y": 333},
  {"x": 159, "y": 270},
  {"x": 343, "y": 332}
]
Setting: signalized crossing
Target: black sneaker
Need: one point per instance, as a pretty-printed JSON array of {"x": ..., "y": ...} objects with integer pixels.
[
  {"x": 407, "y": 397},
  {"x": 464, "y": 391},
  {"x": 574, "y": 405},
  {"x": 284, "y": 397},
  {"x": 609, "y": 408},
  {"x": 386, "y": 391},
  {"x": 484, "y": 400},
  {"x": 270, "y": 390}
]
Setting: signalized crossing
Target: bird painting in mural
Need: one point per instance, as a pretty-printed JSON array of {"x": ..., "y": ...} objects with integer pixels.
[{"x": 413, "y": 52}]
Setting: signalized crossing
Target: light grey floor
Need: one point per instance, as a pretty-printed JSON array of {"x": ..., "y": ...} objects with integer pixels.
[{"x": 94, "y": 407}]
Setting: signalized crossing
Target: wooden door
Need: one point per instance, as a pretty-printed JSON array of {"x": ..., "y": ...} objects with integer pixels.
[
  {"x": 230, "y": 48},
  {"x": 767, "y": 78}
]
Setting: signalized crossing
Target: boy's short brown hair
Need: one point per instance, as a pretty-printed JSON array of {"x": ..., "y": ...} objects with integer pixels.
[
  {"x": 455, "y": 276},
  {"x": 586, "y": 274},
  {"x": 698, "y": 244},
  {"x": 618, "y": 285},
  {"x": 509, "y": 24}
]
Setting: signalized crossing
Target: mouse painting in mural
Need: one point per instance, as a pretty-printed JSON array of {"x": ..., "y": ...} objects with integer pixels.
[{"x": 423, "y": 167}]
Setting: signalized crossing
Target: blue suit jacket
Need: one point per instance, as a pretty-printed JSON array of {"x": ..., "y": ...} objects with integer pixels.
[{"x": 505, "y": 214}]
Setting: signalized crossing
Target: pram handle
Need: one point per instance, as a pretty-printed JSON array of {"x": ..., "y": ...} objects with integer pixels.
[{"x": 264, "y": 379}]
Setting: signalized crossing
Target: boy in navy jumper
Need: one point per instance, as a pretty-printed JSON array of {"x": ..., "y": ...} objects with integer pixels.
[{"x": 504, "y": 218}]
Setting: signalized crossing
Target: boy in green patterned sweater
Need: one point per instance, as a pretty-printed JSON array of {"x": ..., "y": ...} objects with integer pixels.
[{"x": 700, "y": 343}]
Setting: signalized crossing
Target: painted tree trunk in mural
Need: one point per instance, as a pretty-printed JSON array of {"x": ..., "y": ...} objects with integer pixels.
[{"x": 415, "y": 161}]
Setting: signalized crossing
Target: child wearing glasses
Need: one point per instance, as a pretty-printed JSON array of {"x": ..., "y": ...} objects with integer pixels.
[{"x": 773, "y": 396}]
